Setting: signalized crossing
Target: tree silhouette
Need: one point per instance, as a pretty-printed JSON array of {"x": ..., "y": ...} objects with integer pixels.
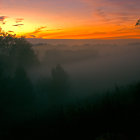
[
  {"x": 59, "y": 78},
  {"x": 16, "y": 89},
  {"x": 59, "y": 85},
  {"x": 16, "y": 51},
  {"x": 22, "y": 86}
]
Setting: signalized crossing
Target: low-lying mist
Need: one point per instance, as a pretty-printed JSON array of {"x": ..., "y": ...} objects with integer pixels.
[{"x": 93, "y": 67}]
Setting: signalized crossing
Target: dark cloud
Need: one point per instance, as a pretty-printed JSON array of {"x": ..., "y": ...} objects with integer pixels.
[
  {"x": 2, "y": 19},
  {"x": 32, "y": 36},
  {"x": 17, "y": 25},
  {"x": 39, "y": 29},
  {"x": 18, "y": 20},
  {"x": 42, "y": 31},
  {"x": 138, "y": 23},
  {"x": 10, "y": 31}
]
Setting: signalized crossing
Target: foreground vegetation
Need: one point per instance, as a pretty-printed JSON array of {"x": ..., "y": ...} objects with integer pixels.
[{"x": 41, "y": 109}]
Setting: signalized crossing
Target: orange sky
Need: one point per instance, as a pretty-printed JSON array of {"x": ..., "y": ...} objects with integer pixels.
[{"x": 71, "y": 19}]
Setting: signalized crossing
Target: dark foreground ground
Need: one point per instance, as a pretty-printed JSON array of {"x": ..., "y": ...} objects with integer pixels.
[{"x": 116, "y": 116}]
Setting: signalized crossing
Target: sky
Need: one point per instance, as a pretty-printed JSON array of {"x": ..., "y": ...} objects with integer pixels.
[{"x": 71, "y": 19}]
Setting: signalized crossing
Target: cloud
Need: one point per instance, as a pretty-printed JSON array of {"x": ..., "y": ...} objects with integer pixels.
[
  {"x": 115, "y": 3},
  {"x": 10, "y": 31},
  {"x": 2, "y": 19},
  {"x": 39, "y": 29},
  {"x": 32, "y": 36},
  {"x": 43, "y": 32},
  {"x": 100, "y": 14},
  {"x": 18, "y": 25},
  {"x": 138, "y": 23},
  {"x": 114, "y": 11},
  {"x": 36, "y": 32},
  {"x": 18, "y": 20}
]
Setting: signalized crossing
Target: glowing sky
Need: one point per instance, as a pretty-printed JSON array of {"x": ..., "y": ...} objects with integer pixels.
[{"x": 72, "y": 19}]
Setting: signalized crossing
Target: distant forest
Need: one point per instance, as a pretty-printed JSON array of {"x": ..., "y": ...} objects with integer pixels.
[{"x": 42, "y": 108}]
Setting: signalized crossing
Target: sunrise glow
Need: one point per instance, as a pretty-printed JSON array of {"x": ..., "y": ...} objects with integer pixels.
[{"x": 70, "y": 19}]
